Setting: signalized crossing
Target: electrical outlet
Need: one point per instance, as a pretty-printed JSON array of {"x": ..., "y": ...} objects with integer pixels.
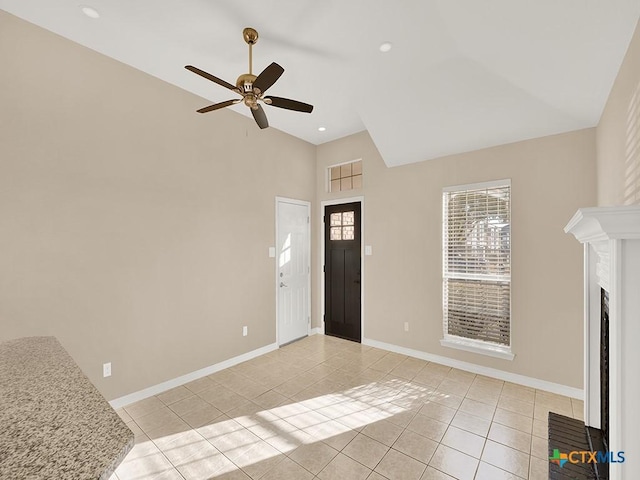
[
  {"x": 406, "y": 326},
  {"x": 106, "y": 369},
  {"x": 245, "y": 331}
]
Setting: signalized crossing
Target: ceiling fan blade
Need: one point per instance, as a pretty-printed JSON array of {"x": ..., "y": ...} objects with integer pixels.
[
  {"x": 260, "y": 117},
  {"x": 217, "y": 106},
  {"x": 208, "y": 76},
  {"x": 290, "y": 104},
  {"x": 268, "y": 77}
]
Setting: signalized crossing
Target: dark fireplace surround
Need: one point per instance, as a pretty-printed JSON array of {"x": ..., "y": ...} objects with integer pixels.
[
  {"x": 568, "y": 434},
  {"x": 604, "y": 367}
]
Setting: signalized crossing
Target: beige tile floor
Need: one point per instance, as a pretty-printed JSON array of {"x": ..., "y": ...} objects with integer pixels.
[{"x": 324, "y": 408}]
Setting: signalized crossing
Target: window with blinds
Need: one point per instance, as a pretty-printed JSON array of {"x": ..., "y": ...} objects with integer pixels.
[{"x": 477, "y": 264}]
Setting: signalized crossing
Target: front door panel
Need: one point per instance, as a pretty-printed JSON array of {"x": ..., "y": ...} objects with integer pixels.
[{"x": 342, "y": 271}]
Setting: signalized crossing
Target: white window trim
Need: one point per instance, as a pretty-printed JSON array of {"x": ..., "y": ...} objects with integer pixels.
[
  {"x": 478, "y": 186},
  {"x": 469, "y": 345},
  {"x": 475, "y": 346}
]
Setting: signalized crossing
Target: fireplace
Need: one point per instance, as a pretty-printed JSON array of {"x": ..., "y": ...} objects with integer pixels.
[
  {"x": 611, "y": 241},
  {"x": 570, "y": 435}
]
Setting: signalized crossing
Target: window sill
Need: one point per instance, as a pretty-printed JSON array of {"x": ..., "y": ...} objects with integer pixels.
[{"x": 497, "y": 352}]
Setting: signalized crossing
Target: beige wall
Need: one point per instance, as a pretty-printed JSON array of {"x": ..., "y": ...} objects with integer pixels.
[
  {"x": 618, "y": 135},
  {"x": 136, "y": 231},
  {"x": 132, "y": 228},
  {"x": 551, "y": 178}
]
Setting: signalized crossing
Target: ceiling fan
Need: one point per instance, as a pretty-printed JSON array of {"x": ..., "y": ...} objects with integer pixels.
[{"x": 252, "y": 88}]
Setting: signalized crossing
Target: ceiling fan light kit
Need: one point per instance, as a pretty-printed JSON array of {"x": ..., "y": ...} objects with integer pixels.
[{"x": 252, "y": 88}]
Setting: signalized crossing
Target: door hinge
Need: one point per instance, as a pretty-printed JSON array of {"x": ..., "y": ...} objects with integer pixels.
[
  {"x": 323, "y": 219},
  {"x": 307, "y": 219},
  {"x": 308, "y": 269},
  {"x": 323, "y": 269}
]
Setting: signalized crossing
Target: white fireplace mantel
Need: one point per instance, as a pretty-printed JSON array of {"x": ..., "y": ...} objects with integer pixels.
[
  {"x": 605, "y": 223},
  {"x": 611, "y": 238}
]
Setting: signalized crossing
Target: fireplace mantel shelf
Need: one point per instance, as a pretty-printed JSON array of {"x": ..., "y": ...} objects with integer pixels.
[{"x": 605, "y": 223}]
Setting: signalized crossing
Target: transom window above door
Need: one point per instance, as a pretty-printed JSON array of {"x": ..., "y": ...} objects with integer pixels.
[
  {"x": 347, "y": 176},
  {"x": 342, "y": 226}
]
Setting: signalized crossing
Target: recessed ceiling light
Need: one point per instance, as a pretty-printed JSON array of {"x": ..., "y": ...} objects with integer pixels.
[
  {"x": 90, "y": 12},
  {"x": 385, "y": 47},
  {"x": 322, "y": 129}
]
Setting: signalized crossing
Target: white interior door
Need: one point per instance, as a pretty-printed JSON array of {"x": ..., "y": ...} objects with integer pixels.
[{"x": 293, "y": 269}]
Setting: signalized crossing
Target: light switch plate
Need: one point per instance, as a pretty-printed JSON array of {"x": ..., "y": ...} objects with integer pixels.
[
  {"x": 368, "y": 250},
  {"x": 272, "y": 252}
]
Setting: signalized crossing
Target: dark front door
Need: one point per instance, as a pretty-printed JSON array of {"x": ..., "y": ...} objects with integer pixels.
[{"x": 342, "y": 271}]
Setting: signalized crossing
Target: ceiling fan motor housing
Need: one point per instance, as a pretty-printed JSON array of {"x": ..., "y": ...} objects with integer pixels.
[{"x": 245, "y": 82}]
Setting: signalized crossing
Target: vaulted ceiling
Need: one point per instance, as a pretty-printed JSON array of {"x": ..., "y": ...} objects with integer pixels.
[{"x": 461, "y": 74}]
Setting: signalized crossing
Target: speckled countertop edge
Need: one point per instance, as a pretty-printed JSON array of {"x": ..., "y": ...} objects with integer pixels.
[{"x": 54, "y": 424}]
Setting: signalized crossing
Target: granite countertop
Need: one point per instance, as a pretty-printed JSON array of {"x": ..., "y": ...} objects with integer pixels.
[{"x": 54, "y": 424}]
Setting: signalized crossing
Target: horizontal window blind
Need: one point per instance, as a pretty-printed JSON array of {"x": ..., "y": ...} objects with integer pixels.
[{"x": 477, "y": 263}]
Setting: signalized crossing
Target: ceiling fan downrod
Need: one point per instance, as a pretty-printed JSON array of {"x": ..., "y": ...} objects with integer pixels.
[{"x": 250, "y": 36}]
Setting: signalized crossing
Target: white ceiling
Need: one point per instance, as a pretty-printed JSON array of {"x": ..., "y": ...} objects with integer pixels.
[{"x": 462, "y": 74}]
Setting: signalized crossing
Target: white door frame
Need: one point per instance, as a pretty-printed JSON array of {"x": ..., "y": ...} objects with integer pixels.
[
  {"x": 341, "y": 201},
  {"x": 276, "y": 267}
]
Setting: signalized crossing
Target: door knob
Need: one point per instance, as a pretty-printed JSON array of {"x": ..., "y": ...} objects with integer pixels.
[{"x": 282, "y": 284}]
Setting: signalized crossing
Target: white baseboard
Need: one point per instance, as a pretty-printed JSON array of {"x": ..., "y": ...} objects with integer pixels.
[
  {"x": 189, "y": 377},
  {"x": 450, "y": 362},
  {"x": 479, "y": 369}
]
